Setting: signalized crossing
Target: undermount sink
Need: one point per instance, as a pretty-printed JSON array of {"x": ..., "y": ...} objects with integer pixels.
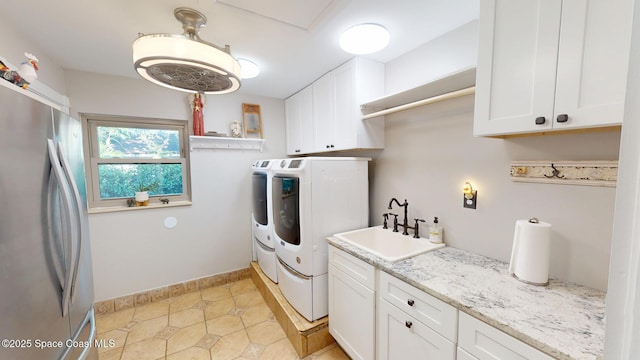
[{"x": 386, "y": 244}]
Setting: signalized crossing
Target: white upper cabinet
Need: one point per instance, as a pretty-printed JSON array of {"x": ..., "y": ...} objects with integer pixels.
[
  {"x": 324, "y": 121},
  {"x": 334, "y": 115},
  {"x": 299, "y": 125},
  {"x": 337, "y": 97},
  {"x": 551, "y": 65}
]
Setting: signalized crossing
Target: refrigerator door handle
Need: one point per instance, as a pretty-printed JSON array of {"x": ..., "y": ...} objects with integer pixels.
[
  {"x": 57, "y": 249},
  {"x": 89, "y": 318},
  {"x": 78, "y": 217},
  {"x": 56, "y": 168},
  {"x": 92, "y": 334}
]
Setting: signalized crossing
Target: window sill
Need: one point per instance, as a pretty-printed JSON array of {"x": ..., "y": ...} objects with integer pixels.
[
  {"x": 100, "y": 210},
  {"x": 212, "y": 142}
]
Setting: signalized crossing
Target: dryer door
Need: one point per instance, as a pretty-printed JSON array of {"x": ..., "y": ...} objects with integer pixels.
[
  {"x": 286, "y": 208},
  {"x": 260, "y": 198}
]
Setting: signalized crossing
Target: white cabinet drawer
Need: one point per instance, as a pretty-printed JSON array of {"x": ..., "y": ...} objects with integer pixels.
[
  {"x": 463, "y": 355},
  {"x": 486, "y": 342},
  {"x": 438, "y": 315},
  {"x": 401, "y": 337},
  {"x": 359, "y": 270}
]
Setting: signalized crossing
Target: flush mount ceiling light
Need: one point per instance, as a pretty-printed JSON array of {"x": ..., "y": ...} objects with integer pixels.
[
  {"x": 249, "y": 69},
  {"x": 185, "y": 62},
  {"x": 364, "y": 39}
]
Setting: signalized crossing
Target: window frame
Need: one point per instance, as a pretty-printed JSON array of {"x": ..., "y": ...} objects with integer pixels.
[{"x": 90, "y": 123}]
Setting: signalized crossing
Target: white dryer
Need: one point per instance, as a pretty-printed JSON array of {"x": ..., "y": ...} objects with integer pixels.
[
  {"x": 261, "y": 218},
  {"x": 314, "y": 198}
]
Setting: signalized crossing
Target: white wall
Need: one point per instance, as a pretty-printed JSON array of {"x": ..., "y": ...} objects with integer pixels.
[
  {"x": 623, "y": 308},
  {"x": 443, "y": 55},
  {"x": 133, "y": 251},
  {"x": 430, "y": 152}
]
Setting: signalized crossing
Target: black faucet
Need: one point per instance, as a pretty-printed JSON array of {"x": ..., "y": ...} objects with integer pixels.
[
  {"x": 416, "y": 231},
  {"x": 405, "y": 223},
  {"x": 395, "y": 221}
]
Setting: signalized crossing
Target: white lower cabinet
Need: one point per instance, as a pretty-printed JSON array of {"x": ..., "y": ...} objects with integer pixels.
[
  {"x": 413, "y": 324},
  {"x": 478, "y": 340},
  {"x": 401, "y": 336},
  {"x": 373, "y": 315},
  {"x": 352, "y": 304}
]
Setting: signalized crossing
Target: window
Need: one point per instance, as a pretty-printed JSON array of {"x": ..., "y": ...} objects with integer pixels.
[{"x": 124, "y": 154}]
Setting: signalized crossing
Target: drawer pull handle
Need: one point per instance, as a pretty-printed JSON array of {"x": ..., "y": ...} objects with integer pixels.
[
  {"x": 562, "y": 118},
  {"x": 408, "y": 324},
  {"x": 410, "y": 302},
  {"x": 540, "y": 120}
]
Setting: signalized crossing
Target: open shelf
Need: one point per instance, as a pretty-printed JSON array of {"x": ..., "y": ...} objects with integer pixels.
[
  {"x": 217, "y": 142},
  {"x": 456, "y": 84}
]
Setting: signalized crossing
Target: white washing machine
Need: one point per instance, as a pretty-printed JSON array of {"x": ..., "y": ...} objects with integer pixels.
[
  {"x": 261, "y": 218},
  {"x": 314, "y": 198}
]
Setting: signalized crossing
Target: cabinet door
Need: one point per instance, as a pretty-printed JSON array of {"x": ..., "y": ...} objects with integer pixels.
[
  {"x": 299, "y": 127},
  {"x": 344, "y": 130},
  {"x": 292, "y": 125},
  {"x": 324, "y": 103},
  {"x": 402, "y": 337},
  {"x": 351, "y": 315},
  {"x": 517, "y": 58},
  {"x": 592, "y": 63}
]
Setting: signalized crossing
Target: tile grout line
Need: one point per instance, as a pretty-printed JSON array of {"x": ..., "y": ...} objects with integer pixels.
[{"x": 175, "y": 307}]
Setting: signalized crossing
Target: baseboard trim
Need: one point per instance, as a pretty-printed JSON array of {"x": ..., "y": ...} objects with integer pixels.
[{"x": 169, "y": 291}]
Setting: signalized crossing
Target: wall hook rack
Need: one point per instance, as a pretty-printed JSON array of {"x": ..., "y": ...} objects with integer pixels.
[
  {"x": 592, "y": 173},
  {"x": 555, "y": 173}
]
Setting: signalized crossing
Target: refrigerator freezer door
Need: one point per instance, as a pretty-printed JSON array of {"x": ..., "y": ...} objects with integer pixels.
[
  {"x": 30, "y": 305},
  {"x": 68, "y": 136}
]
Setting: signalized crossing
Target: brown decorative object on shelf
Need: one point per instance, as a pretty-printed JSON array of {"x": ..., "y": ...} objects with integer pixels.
[
  {"x": 24, "y": 75},
  {"x": 198, "y": 116},
  {"x": 252, "y": 121}
]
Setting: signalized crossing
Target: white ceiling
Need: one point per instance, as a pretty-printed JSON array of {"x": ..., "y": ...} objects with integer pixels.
[{"x": 293, "y": 41}]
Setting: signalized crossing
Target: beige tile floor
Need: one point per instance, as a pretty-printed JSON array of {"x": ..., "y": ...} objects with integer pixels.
[{"x": 231, "y": 321}]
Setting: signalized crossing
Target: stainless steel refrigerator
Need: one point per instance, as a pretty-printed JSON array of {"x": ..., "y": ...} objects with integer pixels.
[{"x": 46, "y": 281}]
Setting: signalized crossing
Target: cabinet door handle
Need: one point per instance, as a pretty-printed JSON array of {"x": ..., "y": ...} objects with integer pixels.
[
  {"x": 408, "y": 324},
  {"x": 410, "y": 302},
  {"x": 562, "y": 118},
  {"x": 540, "y": 120},
  {"x": 332, "y": 145},
  {"x": 327, "y": 146}
]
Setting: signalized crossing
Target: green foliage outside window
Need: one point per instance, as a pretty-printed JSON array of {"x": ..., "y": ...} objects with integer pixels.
[
  {"x": 129, "y": 142},
  {"x": 122, "y": 180}
]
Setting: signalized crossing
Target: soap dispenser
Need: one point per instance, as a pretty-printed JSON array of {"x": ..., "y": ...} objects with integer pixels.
[{"x": 435, "y": 232}]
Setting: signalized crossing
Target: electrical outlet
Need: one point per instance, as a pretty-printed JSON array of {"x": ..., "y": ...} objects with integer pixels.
[{"x": 470, "y": 203}]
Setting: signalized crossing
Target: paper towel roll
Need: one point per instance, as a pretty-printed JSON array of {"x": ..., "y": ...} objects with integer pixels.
[{"x": 530, "y": 253}]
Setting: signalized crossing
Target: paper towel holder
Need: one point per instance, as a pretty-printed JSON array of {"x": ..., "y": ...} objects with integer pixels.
[{"x": 530, "y": 259}]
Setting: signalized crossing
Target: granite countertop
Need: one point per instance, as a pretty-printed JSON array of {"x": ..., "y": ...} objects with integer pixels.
[{"x": 563, "y": 320}]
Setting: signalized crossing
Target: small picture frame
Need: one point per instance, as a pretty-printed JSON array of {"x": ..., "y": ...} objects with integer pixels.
[{"x": 252, "y": 121}]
